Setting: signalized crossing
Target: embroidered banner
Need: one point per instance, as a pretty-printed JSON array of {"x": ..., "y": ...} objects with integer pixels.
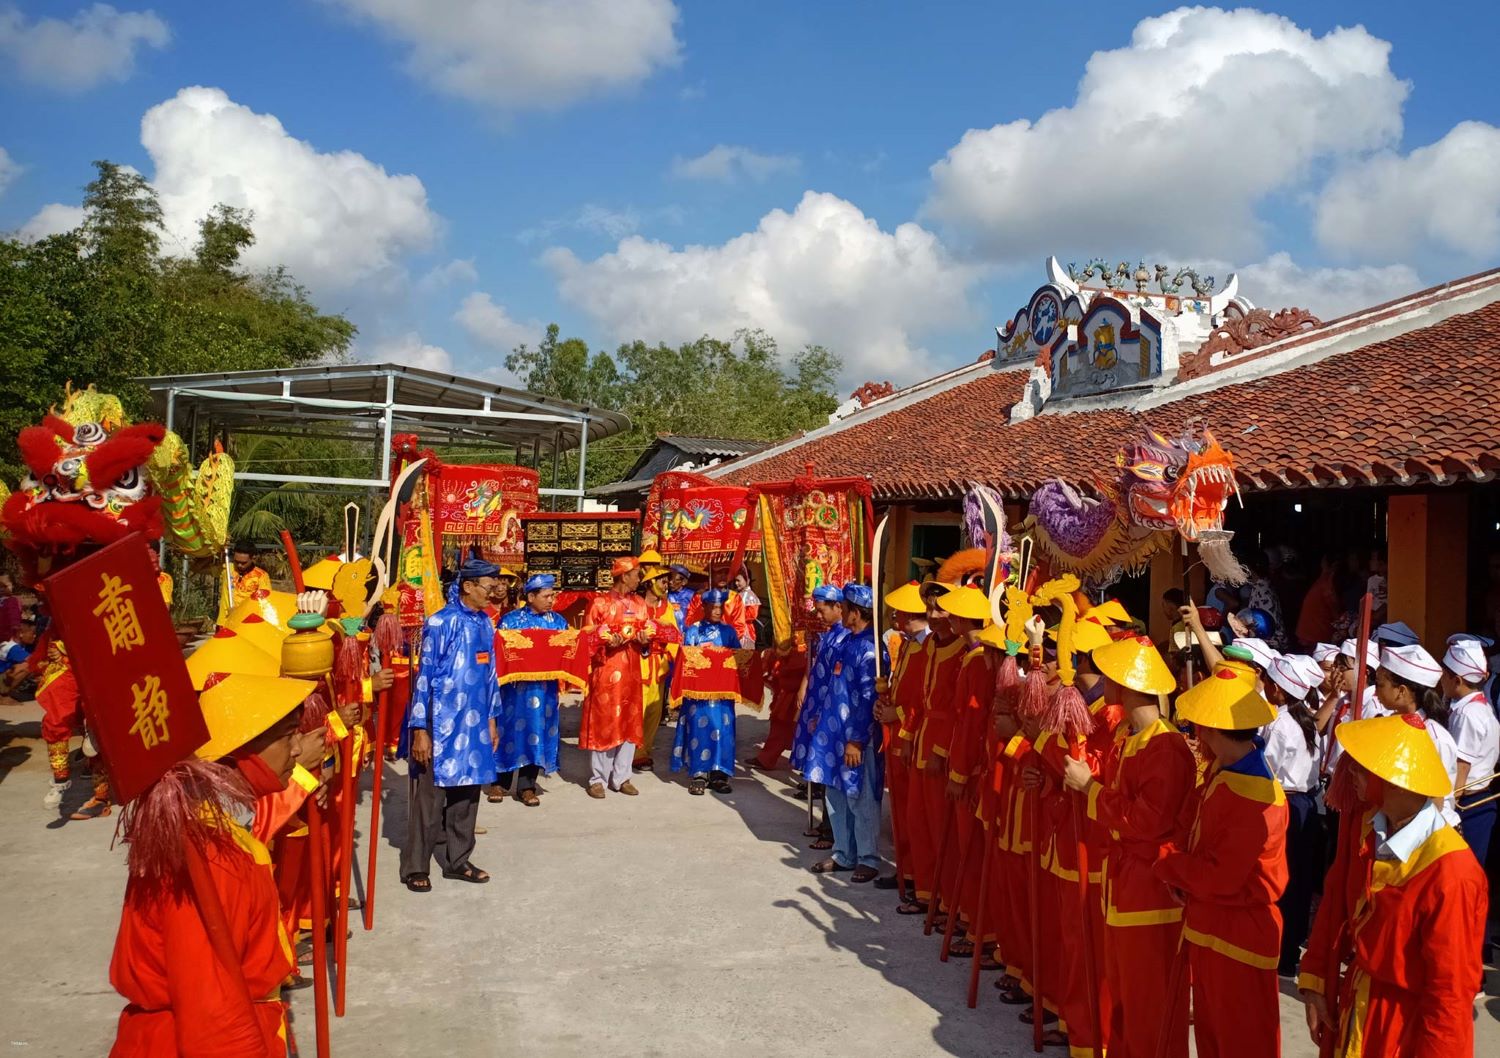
[
  {"x": 699, "y": 521},
  {"x": 138, "y": 698},
  {"x": 718, "y": 672},
  {"x": 534, "y": 654},
  {"x": 819, "y": 532},
  {"x": 483, "y": 504}
]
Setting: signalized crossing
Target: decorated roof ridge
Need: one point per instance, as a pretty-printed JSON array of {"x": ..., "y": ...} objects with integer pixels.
[
  {"x": 916, "y": 391},
  {"x": 1342, "y": 418},
  {"x": 1225, "y": 350}
]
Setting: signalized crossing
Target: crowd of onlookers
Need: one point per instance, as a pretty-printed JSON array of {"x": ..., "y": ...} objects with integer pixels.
[{"x": 22, "y": 619}]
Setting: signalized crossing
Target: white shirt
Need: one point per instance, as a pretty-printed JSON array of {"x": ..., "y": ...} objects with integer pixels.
[
  {"x": 1476, "y": 734},
  {"x": 1448, "y": 751},
  {"x": 1407, "y": 840},
  {"x": 1370, "y": 708},
  {"x": 1287, "y": 755}
]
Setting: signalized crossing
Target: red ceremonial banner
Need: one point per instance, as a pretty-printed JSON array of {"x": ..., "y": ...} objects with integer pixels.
[
  {"x": 718, "y": 672},
  {"x": 138, "y": 699},
  {"x": 821, "y": 529},
  {"x": 706, "y": 520},
  {"x": 484, "y": 503},
  {"x": 535, "y": 654}
]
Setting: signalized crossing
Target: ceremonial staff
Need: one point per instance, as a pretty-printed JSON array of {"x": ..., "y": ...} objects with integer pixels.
[{"x": 882, "y": 682}]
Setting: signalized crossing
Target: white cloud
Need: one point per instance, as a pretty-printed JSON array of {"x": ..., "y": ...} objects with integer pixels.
[
  {"x": 52, "y": 219},
  {"x": 9, "y": 169},
  {"x": 98, "y": 44},
  {"x": 589, "y": 217},
  {"x": 334, "y": 219},
  {"x": 727, "y": 163},
  {"x": 457, "y": 272},
  {"x": 409, "y": 350},
  {"x": 515, "y": 54},
  {"x": 823, "y": 273},
  {"x": 1278, "y": 282},
  {"x": 491, "y": 325},
  {"x": 1444, "y": 197},
  {"x": 1173, "y": 140}
]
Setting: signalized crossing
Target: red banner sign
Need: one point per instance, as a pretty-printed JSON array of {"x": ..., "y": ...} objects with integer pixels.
[
  {"x": 138, "y": 699},
  {"x": 535, "y": 654},
  {"x": 698, "y": 521},
  {"x": 484, "y": 503},
  {"x": 718, "y": 672}
]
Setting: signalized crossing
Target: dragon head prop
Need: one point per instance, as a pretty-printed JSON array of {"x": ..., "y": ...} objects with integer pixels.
[
  {"x": 1181, "y": 485},
  {"x": 1162, "y": 488}
]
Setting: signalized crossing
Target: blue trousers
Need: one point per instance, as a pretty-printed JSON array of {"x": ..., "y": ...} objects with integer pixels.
[
  {"x": 1478, "y": 823},
  {"x": 855, "y": 821}
]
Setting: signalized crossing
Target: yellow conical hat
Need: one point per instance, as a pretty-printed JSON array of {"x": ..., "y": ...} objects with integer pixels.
[
  {"x": 1396, "y": 749},
  {"x": 907, "y": 599},
  {"x": 1226, "y": 700},
  {"x": 966, "y": 602},
  {"x": 651, "y": 557},
  {"x": 320, "y": 574},
  {"x": 1089, "y": 635},
  {"x": 260, "y": 632},
  {"x": 992, "y": 635},
  {"x": 1110, "y": 612},
  {"x": 1135, "y": 662},
  {"x": 229, "y": 652},
  {"x": 276, "y": 607},
  {"x": 239, "y": 707}
]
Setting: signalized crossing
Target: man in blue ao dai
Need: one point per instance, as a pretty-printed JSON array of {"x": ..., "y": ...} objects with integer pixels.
[
  {"x": 526, "y": 724},
  {"x": 449, "y": 752},
  {"x": 845, "y": 754},
  {"x": 705, "y": 728}
]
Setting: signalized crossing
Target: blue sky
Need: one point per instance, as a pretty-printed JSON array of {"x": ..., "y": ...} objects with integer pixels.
[{"x": 455, "y": 175}]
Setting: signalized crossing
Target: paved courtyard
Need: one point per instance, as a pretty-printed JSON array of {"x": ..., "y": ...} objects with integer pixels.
[{"x": 658, "y": 925}]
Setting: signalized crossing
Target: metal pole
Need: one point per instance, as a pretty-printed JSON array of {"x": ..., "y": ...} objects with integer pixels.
[
  {"x": 385, "y": 451},
  {"x": 556, "y": 468},
  {"x": 583, "y": 453}
]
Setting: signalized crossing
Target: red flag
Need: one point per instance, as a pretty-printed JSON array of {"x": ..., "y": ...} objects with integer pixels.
[
  {"x": 536, "y": 654},
  {"x": 137, "y": 695},
  {"x": 718, "y": 672}
]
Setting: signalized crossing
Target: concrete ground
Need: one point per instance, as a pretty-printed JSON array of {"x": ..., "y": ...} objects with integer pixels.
[{"x": 658, "y": 925}]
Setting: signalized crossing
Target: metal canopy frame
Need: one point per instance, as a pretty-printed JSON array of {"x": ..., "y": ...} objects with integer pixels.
[{"x": 371, "y": 403}]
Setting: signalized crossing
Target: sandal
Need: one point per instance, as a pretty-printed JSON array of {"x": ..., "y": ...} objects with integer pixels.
[
  {"x": 468, "y": 873},
  {"x": 93, "y": 808},
  {"x": 829, "y": 867},
  {"x": 419, "y": 883},
  {"x": 822, "y": 844},
  {"x": 529, "y": 798},
  {"x": 961, "y": 949},
  {"x": 862, "y": 875},
  {"x": 1013, "y": 995},
  {"x": 720, "y": 786},
  {"x": 911, "y": 907},
  {"x": 1054, "y": 1038},
  {"x": 697, "y": 786},
  {"x": 1048, "y": 1017},
  {"x": 494, "y": 794},
  {"x": 989, "y": 962}
]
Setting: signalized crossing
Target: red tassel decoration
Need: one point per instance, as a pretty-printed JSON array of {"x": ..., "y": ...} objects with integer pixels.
[
  {"x": 159, "y": 824},
  {"x": 314, "y": 712},
  {"x": 1032, "y": 704},
  {"x": 1068, "y": 714}
]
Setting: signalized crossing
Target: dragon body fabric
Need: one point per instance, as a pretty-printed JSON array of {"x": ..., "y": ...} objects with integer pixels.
[
  {"x": 1162, "y": 488},
  {"x": 92, "y": 478}
]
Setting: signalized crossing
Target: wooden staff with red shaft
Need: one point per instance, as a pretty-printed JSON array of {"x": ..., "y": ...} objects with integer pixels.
[
  {"x": 351, "y": 679},
  {"x": 1341, "y": 792},
  {"x": 1091, "y": 966},
  {"x": 980, "y": 916},
  {"x": 1034, "y": 887}
]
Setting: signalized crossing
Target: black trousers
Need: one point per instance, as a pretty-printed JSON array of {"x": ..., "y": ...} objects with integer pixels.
[
  {"x": 439, "y": 820},
  {"x": 528, "y": 774},
  {"x": 1305, "y": 867}
]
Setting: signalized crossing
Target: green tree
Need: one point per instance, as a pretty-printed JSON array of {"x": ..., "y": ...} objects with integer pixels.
[
  {"x": 104, "y": 304},
  {"x": 739, "y": 388}
]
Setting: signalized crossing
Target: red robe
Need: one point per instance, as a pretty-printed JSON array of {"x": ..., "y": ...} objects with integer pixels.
[
  {"x": 967, "y": 765},
  {"x": 908, "y": 671},
  {"x": 1013, "y": 833},
  {"x": 1417, "y": 931},
  {"x": 787, "y": 673},
  {"x": 1063, "y": 901},
  {"x": 944, "y": 664},
  {"x": 1233, "y": 872},
  {"x": 1141, "y": 799},
  {"x": 612, "y": 710},
  {"x": 910, "y": 694},
  {"x": 181, "y": 1000}
]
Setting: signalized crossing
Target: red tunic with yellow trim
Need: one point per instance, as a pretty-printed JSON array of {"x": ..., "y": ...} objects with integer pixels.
[
  {"x": 1012, "y": 832},
  {"x": 939, "y": 705},
  {"x": 1234, "y": 868},
  {"x": 181, "y": 1000},
  {"x": 1418, "y": 927},
  {"x": 1144, "y": 799},
  {"x": 973, "y": 701},
  {"x": 612, "y": 711}
]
